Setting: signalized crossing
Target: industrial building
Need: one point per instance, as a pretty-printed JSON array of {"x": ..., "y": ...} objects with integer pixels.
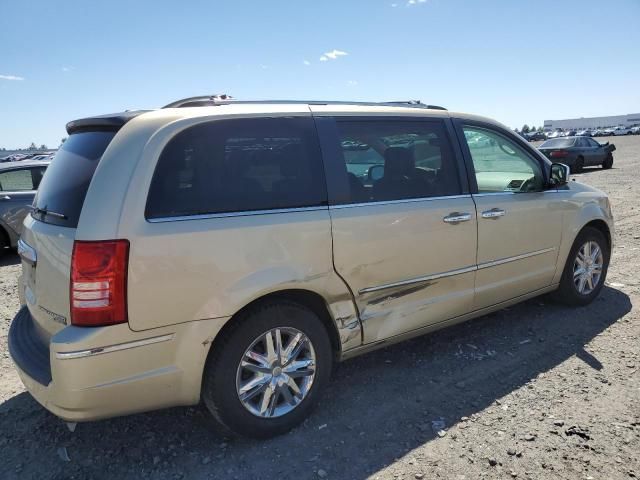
[{"x": 629, "y": 120}]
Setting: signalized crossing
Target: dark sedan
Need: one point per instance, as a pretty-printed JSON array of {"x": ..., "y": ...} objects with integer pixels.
[
  {"x": 578, "y": 152},
  {"x": 18, "y": 184}
]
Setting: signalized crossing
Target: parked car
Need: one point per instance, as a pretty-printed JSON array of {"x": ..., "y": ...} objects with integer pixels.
[
  {"x": 229, "y": 252},
  {"x": 608, "y": 132},
  {"x": 555, "y": 134},
  {"x": 635, "y": 130},
  {"x": 18, "y": 185},
  {"x": 622, "y": 131},
  {"x": 584, "y": 133},
  {"x": 579, "y": 152},
  {"x": 536, "y": 136}
]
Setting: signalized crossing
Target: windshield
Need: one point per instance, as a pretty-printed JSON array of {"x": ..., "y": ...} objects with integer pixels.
[
  {"x": 558, "y": 143},
  {"x": 67, "y": 179}
]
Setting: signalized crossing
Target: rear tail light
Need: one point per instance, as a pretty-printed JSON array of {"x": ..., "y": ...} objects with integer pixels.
[
  {"x": 98, "y": 287},
  {"x": 559, "y": 154}
]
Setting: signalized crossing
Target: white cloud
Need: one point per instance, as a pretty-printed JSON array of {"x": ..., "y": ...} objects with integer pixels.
[
  {"x": 415, "y": 2},
  {"x": 306, "y": 62},
  {"x": 11, "y": 77},
  {"x": 333, "y": 54},
  {"x": 264, "y": 67},
  {"x": 323, "y": 58},
  {"x": 352, "y": 83},
  {"x": 67, "y": 69},
  {"x": 394, "y": 5}
]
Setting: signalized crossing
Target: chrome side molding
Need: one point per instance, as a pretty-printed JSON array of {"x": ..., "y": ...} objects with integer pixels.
[{"x": 113, "y": 348}]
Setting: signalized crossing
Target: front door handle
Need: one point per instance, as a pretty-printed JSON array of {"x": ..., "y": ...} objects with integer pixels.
[
  {"x": 494, "y": 213},
  {"x": 5, "y": 197},
  {"x": 457, "y": 217}
]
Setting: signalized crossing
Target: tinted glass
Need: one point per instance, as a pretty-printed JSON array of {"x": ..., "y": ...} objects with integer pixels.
[
  {"x": 500, "y": 164},
  {"x": 16, "y": 181},
  {"x": 592, "y": 143},
  {"x": 395, "y": 160},
  {"x": 65, "y": 184},
  {"x": 238, "y": 165},
  {"x": 558, "y": 143}
]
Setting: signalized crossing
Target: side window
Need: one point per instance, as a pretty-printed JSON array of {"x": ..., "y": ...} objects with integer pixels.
[
  {"x": 16, "y": 181},
  {"x": 238, "y": 165},
  {"x": 36, "y": 176},
  {"x": 592, "y": 142},
  {"x": 395, "y": 159},
  {"x": 500, "y": 164}
]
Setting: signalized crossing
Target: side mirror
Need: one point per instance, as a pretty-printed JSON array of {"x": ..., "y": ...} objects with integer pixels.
[
  {"x": 559, "y": 174},
  {"x": 375, "y": 173}
]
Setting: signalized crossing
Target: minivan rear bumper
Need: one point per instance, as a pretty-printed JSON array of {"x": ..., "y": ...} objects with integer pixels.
[{"x": 86, "y": 374}]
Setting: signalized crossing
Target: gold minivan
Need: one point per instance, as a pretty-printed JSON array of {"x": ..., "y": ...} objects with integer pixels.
[{"x": 231, "y": 252}]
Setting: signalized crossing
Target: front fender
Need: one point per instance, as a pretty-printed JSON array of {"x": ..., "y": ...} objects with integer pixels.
[{"x": 581, "y": 207}]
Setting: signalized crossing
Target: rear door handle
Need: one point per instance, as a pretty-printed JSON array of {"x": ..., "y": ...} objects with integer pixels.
[
  {"x": 457, "y": 217},
  {"x": 494, "y": 213},
  {"x": 5, "y": 197}
]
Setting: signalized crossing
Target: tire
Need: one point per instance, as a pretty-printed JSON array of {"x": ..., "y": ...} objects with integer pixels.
[
  {"x": 579, "y": 165},
  {"x": 569, "y": 292},
  {"x": 223, "y": 374},
  {"x": 4, "y": 241},
  {"x": 608, "y": 162}
]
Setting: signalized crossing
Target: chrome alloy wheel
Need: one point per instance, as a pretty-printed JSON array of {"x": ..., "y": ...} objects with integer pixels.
[
  {"x": 587, "y": 267},
  {"x": 276, "y": 372}
]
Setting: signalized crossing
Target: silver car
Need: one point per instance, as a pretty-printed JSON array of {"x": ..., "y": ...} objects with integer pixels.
[{"x": 18, "y": 184}]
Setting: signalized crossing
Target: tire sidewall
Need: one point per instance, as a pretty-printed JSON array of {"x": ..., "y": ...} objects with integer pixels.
[
  {"x": 219, "y": 384},
  {"x": 567, "y": 288}
]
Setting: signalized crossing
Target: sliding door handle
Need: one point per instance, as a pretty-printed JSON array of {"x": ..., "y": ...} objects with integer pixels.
[
  {"x": 494, "y": 213},
  {"x": 457, "y": 217}
]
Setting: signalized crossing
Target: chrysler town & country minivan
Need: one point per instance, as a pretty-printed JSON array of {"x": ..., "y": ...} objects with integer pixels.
[{"x": 231, "y": 252}]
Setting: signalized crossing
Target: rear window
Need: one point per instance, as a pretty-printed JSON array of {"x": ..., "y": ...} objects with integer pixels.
[
  {"x": 558, "y": 143},
  {"x": 237, "y": 166},
  {"x": 65, "y": 184}
]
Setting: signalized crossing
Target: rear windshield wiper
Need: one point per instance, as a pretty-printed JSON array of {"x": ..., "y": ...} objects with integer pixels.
[{"x": 44, "y": 212}]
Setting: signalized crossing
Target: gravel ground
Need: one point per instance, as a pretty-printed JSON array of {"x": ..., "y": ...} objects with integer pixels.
[{"x": 534, "y": 391}]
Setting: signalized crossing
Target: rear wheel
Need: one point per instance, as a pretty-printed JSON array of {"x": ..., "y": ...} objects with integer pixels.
[
  {"x": 268, "y": 370},
  {"x": 608, "y": 162},
  {"x": 586, "y": 268},
  {"x": 579, "y": 165}
]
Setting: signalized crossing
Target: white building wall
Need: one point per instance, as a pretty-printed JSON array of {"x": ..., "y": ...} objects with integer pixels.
[{"x": 594, "y": 122}]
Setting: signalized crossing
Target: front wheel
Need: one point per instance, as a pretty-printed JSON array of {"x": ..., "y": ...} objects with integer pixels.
[
  {"x": 268, "y": 370},
  {"x": 608, "y": 162},
  {"x": 586, "y": 268}
]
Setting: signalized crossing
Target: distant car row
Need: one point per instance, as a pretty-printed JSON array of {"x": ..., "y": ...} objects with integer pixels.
[
  {"x": 606, "y": 132},
  {"x": 18, "y": 157}
]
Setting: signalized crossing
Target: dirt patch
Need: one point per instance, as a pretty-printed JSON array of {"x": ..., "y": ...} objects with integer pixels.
[{"x": 533, "y": 391}]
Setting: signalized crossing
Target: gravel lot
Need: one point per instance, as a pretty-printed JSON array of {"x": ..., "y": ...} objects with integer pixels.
[{"x": 534, "y": 391}]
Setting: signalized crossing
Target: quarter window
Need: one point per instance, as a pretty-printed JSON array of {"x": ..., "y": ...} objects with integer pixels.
[
  {"x": 395, "y": 159},
  {"x": 238, "y": 165},
  {"x": 500, "y": 164},
  {"x": 21, "y": 180}
]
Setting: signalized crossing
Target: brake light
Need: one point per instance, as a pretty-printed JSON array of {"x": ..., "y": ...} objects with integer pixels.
[
  {"x": 559, "y": 153},
  {"x": 98, "y": 290}
]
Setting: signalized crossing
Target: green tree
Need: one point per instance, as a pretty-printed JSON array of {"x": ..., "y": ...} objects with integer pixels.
[
  {"x": 32, "y": 146},
  {"x": 525, "y": 128},
  {"x": 43, "y": 147}
]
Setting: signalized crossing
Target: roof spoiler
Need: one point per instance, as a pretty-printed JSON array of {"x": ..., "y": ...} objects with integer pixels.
[{"x": 111, "y": 122}]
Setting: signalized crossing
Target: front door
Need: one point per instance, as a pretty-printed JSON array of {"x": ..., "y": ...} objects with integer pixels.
[
  {"x": 519, "y": 222},
  {"x": 404, "y": 227}
]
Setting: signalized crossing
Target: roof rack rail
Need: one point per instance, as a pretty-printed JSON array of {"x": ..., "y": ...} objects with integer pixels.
[{"x": 224, "y": 99}]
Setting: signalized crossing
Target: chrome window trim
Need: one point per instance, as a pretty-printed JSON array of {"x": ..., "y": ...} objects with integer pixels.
[
  {"x": 459, "y": 271},
  {"x": 491, "y": 194},
  {"x": 394, "y": 202},
  {"x": 113, "y": 348},
  {"x": 205, "y": 216}
]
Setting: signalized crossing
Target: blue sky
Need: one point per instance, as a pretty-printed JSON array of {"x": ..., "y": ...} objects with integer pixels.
[{"x": 514, "y": 61}]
